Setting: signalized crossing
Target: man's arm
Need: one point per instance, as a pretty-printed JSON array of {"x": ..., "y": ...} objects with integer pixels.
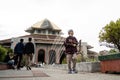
[{"x": 68, "y": 43}]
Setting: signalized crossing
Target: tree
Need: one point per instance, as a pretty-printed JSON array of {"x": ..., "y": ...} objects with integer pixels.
[
  {"x": 2, "y": 53},
  {"x": 113, "y": 51},
  {"x": 111, "y": 34}
]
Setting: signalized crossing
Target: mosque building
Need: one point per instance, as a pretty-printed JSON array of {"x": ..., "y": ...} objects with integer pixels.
[{"x": 48, "y": 42}]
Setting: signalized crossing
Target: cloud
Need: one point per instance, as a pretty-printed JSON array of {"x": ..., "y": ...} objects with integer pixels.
[{"x": 85, "y": 17}]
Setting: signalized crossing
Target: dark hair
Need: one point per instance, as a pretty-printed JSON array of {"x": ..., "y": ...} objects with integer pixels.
[
  {"x": 29, "y": 39},
  {"x": 21, "y": 40}
]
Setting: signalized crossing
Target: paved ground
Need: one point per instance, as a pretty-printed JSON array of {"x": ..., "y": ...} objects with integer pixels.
[{"x": 53, "y": 74}]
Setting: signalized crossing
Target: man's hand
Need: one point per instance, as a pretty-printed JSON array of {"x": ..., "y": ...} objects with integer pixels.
[{"x": 74, "y": 45}]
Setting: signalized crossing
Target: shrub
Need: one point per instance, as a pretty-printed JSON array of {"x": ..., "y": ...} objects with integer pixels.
[
  {"x": 64, "y": 61},
  {"x": 2, "y": 53}
]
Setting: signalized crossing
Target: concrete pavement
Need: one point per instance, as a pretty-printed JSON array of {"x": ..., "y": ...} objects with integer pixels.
[{"x": 53, "y": 74}]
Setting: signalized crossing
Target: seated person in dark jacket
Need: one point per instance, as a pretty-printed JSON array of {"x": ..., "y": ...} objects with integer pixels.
[{"x": 9, "y": 61}]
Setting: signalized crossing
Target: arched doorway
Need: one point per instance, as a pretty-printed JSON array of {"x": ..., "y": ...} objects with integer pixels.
[
  {"x": 62, "y": 56},
  {"x": 52, "y": 56},
  {"x": 41, "y": 56}
]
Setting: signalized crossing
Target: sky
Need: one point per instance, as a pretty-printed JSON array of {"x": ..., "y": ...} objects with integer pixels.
[{"x": 85, "y": 17}]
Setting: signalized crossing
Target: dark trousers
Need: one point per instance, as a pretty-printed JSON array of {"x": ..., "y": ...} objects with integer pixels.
[
  {"x": 19, "y": 59},
  {"x": 71, "y": 59}
]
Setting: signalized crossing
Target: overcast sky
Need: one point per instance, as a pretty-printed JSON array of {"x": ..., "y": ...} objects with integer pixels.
[{"x": 85, "y": 17}]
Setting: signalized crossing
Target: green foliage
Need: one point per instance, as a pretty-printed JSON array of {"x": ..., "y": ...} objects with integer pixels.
[
  {"x": 9, "y": 50},
  {"x": 91, "y": 60},
  {"x": 64, "y": 61},
  {"x": 80, "y": 58},
  {"x": 2, "y": 53},
  {"x": 23, "y": 60},
  {"x": 112, "y": 51},
  {"x": 111, "y": 33}
]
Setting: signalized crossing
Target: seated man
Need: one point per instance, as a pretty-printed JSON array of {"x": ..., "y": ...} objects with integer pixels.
[{"x": 9, "y": 61}]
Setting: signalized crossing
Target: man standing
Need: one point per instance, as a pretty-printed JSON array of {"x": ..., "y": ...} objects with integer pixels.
[
  {"x": 71, "y": 51},
  {"x": 19, "y": 50},
  {"x": 29, "y": 51}
]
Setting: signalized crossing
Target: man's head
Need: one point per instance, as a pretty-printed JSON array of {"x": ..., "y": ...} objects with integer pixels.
[
  {"x": 70, "y": 32},
  {"x": 29, "y": 39},
  {"x": 21, "y": 40}
]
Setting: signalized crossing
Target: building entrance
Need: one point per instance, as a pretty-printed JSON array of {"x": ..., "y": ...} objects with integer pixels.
[{"x": 41, "y": 56}]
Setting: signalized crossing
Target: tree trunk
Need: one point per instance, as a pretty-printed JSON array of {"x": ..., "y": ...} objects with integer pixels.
[{"x": 118, "y": 46}]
